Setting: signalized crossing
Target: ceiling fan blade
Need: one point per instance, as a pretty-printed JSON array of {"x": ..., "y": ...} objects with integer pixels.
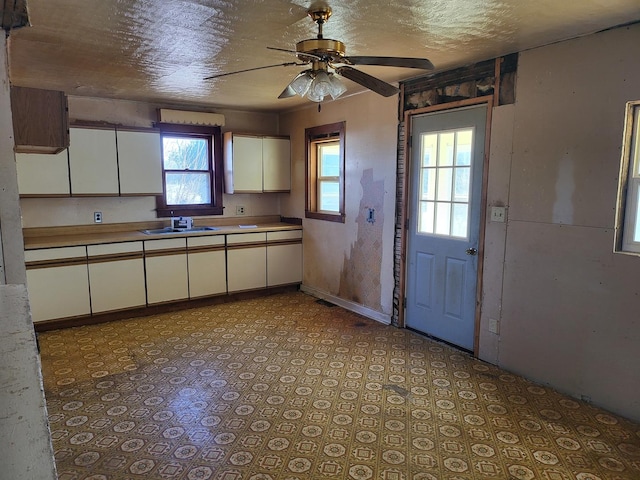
[
  {"x": 404, "y": 62},
  {"x": 372, "y": 83},
  {"x": 295, "y": 52},
  {"x": 286, "y": 64}
]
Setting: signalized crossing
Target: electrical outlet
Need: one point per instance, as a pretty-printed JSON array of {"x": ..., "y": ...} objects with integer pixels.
[
  {"x": 97, "y": 217},
  {"x": 499, "y": 214},
  {"x": 239, "y": 210}
]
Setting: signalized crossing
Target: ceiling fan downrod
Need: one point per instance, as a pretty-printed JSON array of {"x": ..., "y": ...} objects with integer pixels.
[{"x": 320, "y": 16}]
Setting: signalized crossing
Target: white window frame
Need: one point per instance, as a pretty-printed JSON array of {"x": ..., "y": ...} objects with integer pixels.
[{"x": 628, "y": 204}]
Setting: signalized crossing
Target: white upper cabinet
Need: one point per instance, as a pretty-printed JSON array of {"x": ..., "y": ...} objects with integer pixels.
[
  {"x": 276, "y": 164},
  {"x": 43, "y": 174},
  {"x": 255, "y": 164},
  {"x": 109, "y": 162},
  {"x": 93, "y": 161},
  {"x": 139, "y": 162}
]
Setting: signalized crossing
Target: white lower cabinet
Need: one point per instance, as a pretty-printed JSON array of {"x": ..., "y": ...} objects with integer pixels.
[
  {"x": 246, "y": 261},
  {"x": 166, "y": 270},
  {"x": 207, "y": 266},
  {"x": 116, "y": 276},
  {"x": 58, "y": 282},
  {"x": 284, "y": 257}
]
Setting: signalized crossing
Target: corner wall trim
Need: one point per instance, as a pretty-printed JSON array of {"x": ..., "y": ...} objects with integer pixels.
[{"x": 346, "y": 304}]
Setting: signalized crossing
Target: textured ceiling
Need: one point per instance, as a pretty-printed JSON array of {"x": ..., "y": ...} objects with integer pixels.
[{"x": 161, "y": 50}]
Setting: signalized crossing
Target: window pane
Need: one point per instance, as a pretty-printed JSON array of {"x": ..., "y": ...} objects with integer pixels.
[
  {"x": 188, "y": 188},
  {"x": 463, "y": 147},
  {"x": 445, "y": 154},
  {"x": 425, "y": 221},
  {"x": 428, "y": 184},
  {"x": 329, "y": 196},
  {"x": 461, "y": 187},
  {"x": 444, "y": 183},
  {"x": 329, "y": 159},
  {"x": 460, "y": 220},
  {"x": 636, "y": 231},
  {"x": 181, "y": 153},
  {"x": 429, "y": 152},
  {"x": 443, "y": 218}
]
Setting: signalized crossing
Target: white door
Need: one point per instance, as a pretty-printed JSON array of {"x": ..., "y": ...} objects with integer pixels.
[{"x": 444, "y": 223}]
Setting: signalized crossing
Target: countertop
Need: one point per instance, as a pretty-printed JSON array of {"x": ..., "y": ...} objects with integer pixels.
[{"x": 73, "y": 236}]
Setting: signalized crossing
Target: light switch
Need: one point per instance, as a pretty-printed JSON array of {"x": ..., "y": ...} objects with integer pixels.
[{"x": 499, "y": 214}]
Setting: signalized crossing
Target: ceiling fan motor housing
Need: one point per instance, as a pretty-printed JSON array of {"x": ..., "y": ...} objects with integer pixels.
[{"x": 322, "y": 47}]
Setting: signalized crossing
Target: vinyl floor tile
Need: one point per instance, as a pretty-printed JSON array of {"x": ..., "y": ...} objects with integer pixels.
[{"x": 285, "y": 387}]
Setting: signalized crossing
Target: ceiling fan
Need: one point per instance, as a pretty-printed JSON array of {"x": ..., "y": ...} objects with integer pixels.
[{"x": 328, "y": 60}]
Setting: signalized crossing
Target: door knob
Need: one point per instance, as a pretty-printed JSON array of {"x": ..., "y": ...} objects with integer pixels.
[{"x": 471, "y": 251}]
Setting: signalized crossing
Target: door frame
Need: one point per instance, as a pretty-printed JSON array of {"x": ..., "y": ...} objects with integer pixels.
[{"x": 404, "y": 202}]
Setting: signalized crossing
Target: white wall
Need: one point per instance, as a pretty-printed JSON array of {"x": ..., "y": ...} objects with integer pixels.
[
  {"x": 569, "y": 307},
  {"x": 26, "y": 451},
  {"x": 352, "y": 261},
  {"x": 49, "y": 212}
]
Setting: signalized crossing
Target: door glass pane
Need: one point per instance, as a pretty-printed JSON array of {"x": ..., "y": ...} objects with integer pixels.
[
  {"x": 460, "y": 220},
  {"x": 444, "y": 183},
  {"x": 449, "y": 186},
  {"x": 445, "y": 152},
  {"x": 428, "y": 182},
  {"x": 188, "y": 188},
  {"x": 429, "y": 152},
  {"x": 443, "y": 218},
  {"x": 463, "y": 147},
  {"x": 179, "y": 153},
  {"x": 329, "y": 196},
  {"x": 461, "y": 188},
  {"x": 427, "y": 213}
]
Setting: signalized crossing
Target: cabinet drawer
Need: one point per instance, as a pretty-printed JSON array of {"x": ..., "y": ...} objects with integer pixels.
[
  {"x": 58, "y": 255},
  {"x": 165, "y": 244},
  {"x": 284, "y": 235},
  {"x": 246, "y": 238},
  {"x": 205, "y": 241}
]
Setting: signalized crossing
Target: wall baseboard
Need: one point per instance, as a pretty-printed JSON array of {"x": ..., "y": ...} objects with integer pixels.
[{"x": 346, "y": 304}]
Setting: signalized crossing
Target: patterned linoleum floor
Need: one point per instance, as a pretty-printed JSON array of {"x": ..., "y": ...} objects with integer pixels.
[{"x": 284, "y": 387}]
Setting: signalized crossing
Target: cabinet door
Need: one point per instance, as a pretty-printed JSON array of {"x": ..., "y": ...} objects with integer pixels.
[
  {"x": 58, "y": 283},
  {"x": 166, "y": 270},
  {"x": 207, "y": 266},
  {"x": 92, "y": 162},
  {"x": 116, "y": 276},
  {"x": 284, "y": 257},
  {"x": 276, "y": 164},
  {"x": 247, "y": 164},
  {"x": 246, "y": 261},
  {"x": 43, "y": 174},
  {"x": 40, "y": 120},
  {"x": 139, "y": 162}
]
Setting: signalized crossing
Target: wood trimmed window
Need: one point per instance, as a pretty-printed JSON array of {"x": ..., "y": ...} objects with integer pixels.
[
  {"x": 192, "y": 171},
  {"x": 627, "y": 236},
  {"x": 325, "y": 172}
]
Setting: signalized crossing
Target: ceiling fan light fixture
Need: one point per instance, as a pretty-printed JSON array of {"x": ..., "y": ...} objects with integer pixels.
[
  {"x": 320, "y": 87},
  {"x": 336, "y": 87},
  {"x": 302, "y": 82}
]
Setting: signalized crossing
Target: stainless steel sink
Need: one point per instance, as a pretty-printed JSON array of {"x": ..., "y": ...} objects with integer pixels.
[{"x": 159, "y": 231}]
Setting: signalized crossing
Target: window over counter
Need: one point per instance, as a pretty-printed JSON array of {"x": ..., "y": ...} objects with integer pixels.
[
  {"x": 628, "y": 206},
  {"x": 325, "y": 172},
  {"x": 192, "y": 171}
]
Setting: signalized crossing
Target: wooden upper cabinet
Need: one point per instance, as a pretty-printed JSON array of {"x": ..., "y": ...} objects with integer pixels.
[{"x": 40, "y": 120}]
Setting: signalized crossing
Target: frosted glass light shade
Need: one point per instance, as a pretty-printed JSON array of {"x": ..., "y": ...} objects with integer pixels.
[
  {"x": 316, "y": 85},
  {"x": 301, "y": 83}
]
